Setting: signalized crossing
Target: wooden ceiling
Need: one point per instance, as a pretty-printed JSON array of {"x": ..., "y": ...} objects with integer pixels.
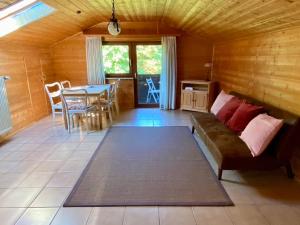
[
  {"x": 5, "y": 3},
  {"x": 215, "y": 19}
]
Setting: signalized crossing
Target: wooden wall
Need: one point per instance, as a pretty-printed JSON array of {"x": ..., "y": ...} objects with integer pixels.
[
  {"x": 265, "y": 66},
  {"x": 192, "y": 53},
  {"x": 29, "y": 68},
  {"x": 69, "y": 61}
]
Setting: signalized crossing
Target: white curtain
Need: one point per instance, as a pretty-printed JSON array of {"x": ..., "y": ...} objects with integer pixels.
[
  {"x": 168, "y": 77},
  {"x": 94, "y": 58}
]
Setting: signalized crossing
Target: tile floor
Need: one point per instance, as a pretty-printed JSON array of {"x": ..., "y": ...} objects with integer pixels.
[{"x": 40, "y": 165}]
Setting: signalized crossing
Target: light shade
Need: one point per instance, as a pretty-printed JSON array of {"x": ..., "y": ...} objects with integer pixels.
[{"x": 114, "y": 28}]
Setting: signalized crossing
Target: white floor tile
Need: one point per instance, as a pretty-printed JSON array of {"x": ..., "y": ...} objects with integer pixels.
[
  {"x": 72, "y": 216},
  {"x": 9, "y": 216},
  {"x": 19, "y": 197},
  {"x": 107, "y": 216},
  {"x": 51, "y": 197},
  {"x": 37, "y": 216}
]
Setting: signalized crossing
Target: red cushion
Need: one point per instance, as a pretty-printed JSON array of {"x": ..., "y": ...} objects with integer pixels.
[
  {"x": 228, "y": 109},
  {"x": 243, "y": 115}
]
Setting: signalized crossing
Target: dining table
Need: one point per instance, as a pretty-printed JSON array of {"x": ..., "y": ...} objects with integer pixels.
[{"x": 92, "y": 91}]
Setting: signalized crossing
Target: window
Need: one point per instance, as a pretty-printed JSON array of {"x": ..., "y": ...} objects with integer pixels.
[
  {"x": 11, "y": 18},
  {"x": 116, "y": 59},
  {"x": 148, "y": 59}
]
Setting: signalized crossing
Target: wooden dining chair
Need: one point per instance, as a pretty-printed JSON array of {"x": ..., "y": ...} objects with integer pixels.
[
  {"x": 114, "y": 97},
  {"x": 65, "y": 84},
  {"x": 106, "y": 104},
  {"x": 81, "y": 107},
  {"x": 53, "y": 91}
]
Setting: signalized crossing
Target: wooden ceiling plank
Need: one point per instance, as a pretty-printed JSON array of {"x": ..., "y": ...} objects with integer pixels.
[
  {"x": 244, "y": 16},
  {"x": 264, "y": 19}
]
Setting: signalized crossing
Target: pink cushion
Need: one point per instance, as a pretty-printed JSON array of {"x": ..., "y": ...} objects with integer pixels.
[
  {"x": 220, "y": 102},
  {"x": 259, "y": 133}
]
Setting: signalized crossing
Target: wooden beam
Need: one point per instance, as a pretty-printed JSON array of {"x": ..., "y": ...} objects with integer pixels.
[{"x": 136, "y": 29}]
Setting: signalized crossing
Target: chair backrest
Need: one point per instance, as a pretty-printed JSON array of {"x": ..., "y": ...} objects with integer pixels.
[
  {"x": 53, "y": 94},
  {"x": 65, "y": 84},
  {"x": 117, "y": 83},
  {"x": 112, "y": 91},
  {"x": 150, "y": 84},
  {"x": 67, "y": 98},
  {"x": 116, "y": 88}
]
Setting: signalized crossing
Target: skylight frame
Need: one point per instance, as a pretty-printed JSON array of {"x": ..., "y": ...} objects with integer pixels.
[
  {"x": 15, "y": 8},
  {"x": 25, "y": 16}
]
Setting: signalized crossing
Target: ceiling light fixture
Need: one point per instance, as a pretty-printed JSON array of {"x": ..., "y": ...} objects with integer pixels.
[{"x": 114, "y": 27}]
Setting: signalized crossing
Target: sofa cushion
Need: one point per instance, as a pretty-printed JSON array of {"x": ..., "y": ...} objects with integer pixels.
[
  {"x": 259, "y": 133},
  {"x": 224, "y": 142},
  {"x": 228, "y": 109},
  {"x": 242, "y": 116},
  {"x": 220, "y": 101}
]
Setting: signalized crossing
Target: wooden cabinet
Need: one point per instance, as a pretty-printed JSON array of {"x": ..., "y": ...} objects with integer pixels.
[{"x": 197, "y": 95}]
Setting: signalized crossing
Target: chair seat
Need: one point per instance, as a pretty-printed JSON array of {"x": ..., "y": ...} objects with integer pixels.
[{"x": 79, "y": 107}]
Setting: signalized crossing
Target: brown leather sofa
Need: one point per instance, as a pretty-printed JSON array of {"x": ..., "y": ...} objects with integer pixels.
[{"x": 231, "y": 153}]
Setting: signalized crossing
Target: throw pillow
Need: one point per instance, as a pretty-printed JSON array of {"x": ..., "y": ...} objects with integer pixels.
[
  {"x": 259, "y": 133},
  {"x": 228, "y": 109},
  {"x": 220, "y": 101},
  {"x": 242, "y": 116}
]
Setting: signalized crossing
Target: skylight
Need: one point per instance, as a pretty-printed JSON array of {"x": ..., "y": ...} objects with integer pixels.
[{"x": 11, "y": 18}]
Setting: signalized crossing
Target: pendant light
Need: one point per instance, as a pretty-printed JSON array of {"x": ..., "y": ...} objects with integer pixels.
[{"x": 114, "y": 27}]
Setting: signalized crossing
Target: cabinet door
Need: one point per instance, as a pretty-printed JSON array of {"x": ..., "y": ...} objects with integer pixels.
[
  {"x": 186, "y": 99},
  {"x": 200, "y": 100}
]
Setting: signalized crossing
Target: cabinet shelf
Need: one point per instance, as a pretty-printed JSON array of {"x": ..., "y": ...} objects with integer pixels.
[{"x": 197, "y": 95}]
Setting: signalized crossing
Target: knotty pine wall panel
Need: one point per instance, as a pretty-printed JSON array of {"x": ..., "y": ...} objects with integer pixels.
[
  {"x": 192, "y": 53},
  {"x": 28, "y": 68},
  {"x": 69, "y": 60},
  {"x": 266, "y": 67}
]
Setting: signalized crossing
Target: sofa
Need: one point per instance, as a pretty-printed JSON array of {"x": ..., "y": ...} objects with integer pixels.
[{"x": 231, "y": 153}]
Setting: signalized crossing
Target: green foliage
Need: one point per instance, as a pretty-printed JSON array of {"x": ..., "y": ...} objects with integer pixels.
[
  {"x": 116, "y": 59},
  {"x": 148, "y": 59}
]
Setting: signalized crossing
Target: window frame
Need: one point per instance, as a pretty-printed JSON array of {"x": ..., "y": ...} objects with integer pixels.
[
  {"x": 132, "y": 57},
  {"x": 144, "y": 43},
  {"x": 119, "y": 75}
]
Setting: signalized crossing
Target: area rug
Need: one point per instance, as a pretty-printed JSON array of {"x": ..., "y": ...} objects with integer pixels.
[{"x": 148, "y": 166}]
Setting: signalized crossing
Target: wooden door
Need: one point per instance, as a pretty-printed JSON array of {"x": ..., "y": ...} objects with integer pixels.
[
  {"x": 200, "y": 100},
  {"x": 186, "y": 99}
]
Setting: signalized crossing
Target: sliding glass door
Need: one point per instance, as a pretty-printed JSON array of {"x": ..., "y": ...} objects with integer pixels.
[
  {"x": 148, "y": 62},
  {"x": 139, "y": 61}
]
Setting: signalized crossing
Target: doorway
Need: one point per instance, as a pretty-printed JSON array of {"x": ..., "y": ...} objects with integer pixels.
[{"x": 140, "y": 61}]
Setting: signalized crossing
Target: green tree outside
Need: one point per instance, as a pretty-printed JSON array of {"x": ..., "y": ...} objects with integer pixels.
[{"x": 116, "y": 59}]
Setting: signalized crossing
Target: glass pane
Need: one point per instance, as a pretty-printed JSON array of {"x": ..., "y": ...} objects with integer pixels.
[
  {"x": 148, "y": 73},
  {"x": 148, "y": 59},
  {"x": 116, "y": 59},
  {"x": 21, "y": 19}
]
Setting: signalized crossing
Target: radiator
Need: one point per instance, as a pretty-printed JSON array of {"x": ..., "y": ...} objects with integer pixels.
[{"x": 5, "y": 119}]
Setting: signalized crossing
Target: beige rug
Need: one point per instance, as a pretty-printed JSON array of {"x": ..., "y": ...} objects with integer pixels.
[{"x": 148, "y": 166}]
